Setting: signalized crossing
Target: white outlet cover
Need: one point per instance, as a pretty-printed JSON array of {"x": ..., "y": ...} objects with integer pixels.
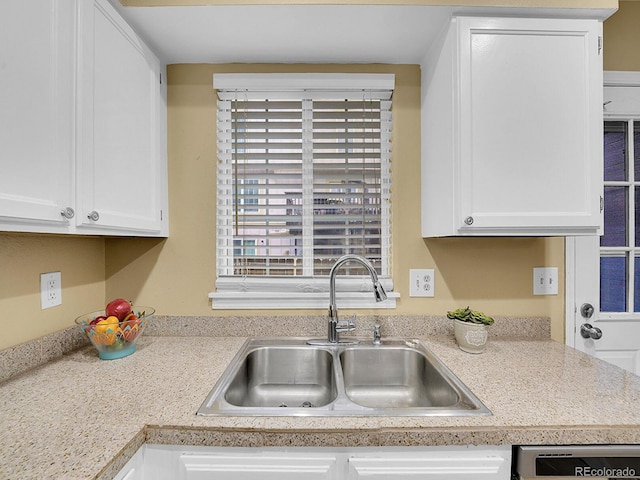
[
  {"x": 50, "y": 289},
  {"x": 422, "y": 282}
]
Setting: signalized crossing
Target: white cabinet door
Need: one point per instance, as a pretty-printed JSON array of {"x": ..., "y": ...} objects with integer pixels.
[
  {"x": 121, "y": 165},
  {"x": 437, "y": 463},
  {"x": 172, "y": 462},
  {"x": 512, "y": 128},
  {"x": 259, "y": 466},
  {"x": 36, "y": 113}
]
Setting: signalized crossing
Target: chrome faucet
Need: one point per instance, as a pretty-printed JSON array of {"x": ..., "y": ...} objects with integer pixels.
[{"x": 335, "y": 327}]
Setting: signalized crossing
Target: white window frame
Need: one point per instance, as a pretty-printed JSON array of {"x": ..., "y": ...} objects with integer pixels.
[{"x": 302, "y": 292}]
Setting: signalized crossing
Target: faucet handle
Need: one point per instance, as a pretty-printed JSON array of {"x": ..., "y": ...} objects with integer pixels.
[
  {"x": 348, "y": 326},
  {"x": 376, "y": 334}
]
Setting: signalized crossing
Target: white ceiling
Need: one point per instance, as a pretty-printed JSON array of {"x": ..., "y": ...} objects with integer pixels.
[
  {"x": 288, "y": 33},
  {"x": 307, "y": 33}
]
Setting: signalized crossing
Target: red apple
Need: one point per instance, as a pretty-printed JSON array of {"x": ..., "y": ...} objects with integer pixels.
[
  {"x": 119, "y": 308},
  {"x": 97, "y": 319}
]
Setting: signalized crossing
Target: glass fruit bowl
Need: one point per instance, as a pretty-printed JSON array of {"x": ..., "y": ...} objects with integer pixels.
[{"x": 112, "y": 338}]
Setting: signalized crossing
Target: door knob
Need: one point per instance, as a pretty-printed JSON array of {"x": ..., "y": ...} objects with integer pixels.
[
  {"x": 586, "y": 310},
  {"x": 589, "y": 331}
]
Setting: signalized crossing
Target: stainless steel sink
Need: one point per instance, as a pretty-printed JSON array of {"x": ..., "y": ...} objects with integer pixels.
[
  {"x": 283, "y": 377},
  {"x": 395, "y": 378},
  {"x": 288, "y": 377}
]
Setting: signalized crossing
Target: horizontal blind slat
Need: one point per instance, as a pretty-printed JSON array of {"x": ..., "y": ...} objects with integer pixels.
[
  {"x": 349, "y": 141},
  {"x": 353, "y": 125},
  {"x": 263, "y": 125}
]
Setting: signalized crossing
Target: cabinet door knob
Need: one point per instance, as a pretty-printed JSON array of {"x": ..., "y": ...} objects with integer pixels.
[
  {"x": 468, "y": 220},
  {"x": 94, "y": 216},
  {"x": 68, "y": 213}
]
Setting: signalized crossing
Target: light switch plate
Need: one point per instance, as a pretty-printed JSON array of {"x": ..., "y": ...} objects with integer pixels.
[
  {"x": 50, "y": 289},
  {"x": 422, "y": 282},
  {"x": 545, "y": 281}
]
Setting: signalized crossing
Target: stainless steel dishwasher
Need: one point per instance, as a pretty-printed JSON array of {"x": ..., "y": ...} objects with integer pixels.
[{"x": 598, "y": 462}]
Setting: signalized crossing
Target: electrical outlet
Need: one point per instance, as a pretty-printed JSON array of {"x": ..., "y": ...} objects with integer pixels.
[
  {"x": 422, "y": 282},
  {"x": 545, "y": 281},
  {"x": 50, "y": 289}
]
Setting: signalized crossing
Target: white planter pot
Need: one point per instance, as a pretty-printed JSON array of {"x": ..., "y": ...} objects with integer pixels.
[{"x": 471, "y": 337}]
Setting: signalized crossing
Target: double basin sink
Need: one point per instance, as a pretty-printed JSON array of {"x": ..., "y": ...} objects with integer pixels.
[{"x": 289, "y": 377}]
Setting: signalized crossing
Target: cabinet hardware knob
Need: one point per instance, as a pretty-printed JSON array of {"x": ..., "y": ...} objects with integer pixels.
[
  {"x": 94, "y": 216},
  {"x": 468, "y": 220},
  {"x": 68, "y": 213}
]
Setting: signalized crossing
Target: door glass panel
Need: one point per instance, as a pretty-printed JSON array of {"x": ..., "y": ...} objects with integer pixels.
[
  {"x": 636, "y": 285},
  {"x": 637, "y": 216},
  {"x": 615, "y": 165},
  {"x": 636, "y": 150},
  {"x": 613, "y": 284},
  {"x": 615, "y": 217}
]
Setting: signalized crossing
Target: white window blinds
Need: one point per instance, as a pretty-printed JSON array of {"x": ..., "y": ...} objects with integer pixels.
[{"x": 303, "y": 178}]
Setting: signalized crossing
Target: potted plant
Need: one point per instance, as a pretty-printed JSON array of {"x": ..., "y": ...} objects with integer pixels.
[{"x": 470, "y": 329}]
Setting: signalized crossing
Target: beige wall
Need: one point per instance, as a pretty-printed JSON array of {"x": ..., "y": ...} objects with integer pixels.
[
  {"x": 23, "y": 258},
  {"x": 494, "y": 275},
  {"x": 176, "y": 274},
  {"x": 622, "y": 38}
]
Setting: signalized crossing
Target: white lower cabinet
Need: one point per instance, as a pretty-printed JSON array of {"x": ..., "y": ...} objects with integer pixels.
[
  {"x": 448, "y": 463},
  {"x": 162, "y": 462}
]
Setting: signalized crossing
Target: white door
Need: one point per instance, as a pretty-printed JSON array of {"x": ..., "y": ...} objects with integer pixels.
[{"x": 603, "y": 310}]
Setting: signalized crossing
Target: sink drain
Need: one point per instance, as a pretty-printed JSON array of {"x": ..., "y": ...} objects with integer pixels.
[{"x": 306, "y": 404}]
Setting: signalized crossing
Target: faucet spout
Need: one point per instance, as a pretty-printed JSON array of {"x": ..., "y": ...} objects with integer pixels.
[{"x": 378, "y": 291}]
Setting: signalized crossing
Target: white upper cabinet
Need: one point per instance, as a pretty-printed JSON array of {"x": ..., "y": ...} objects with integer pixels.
[
  {"x": 512, "y": 128},
  {"x": 82, "y": 122},
  {"x": 120, "y": 172},
  {"x": 36, "y": 113}
]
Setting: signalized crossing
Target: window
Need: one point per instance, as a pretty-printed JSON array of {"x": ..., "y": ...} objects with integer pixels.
[
  {"x": 303, "y": 178},
  {"x": 620, "y": 244}
]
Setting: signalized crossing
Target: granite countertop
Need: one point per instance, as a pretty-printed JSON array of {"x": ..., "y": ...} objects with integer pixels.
[{"x": 79, "y": 417}]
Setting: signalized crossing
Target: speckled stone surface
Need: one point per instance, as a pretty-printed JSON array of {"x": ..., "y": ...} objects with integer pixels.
[
  {"x": 80, "y": 417},
  {"x": 21, "y": 358},
  {"x": 290, "y": 326}
]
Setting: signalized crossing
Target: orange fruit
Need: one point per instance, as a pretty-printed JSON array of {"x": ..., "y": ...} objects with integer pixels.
[{"x": 109, "y": 323}]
